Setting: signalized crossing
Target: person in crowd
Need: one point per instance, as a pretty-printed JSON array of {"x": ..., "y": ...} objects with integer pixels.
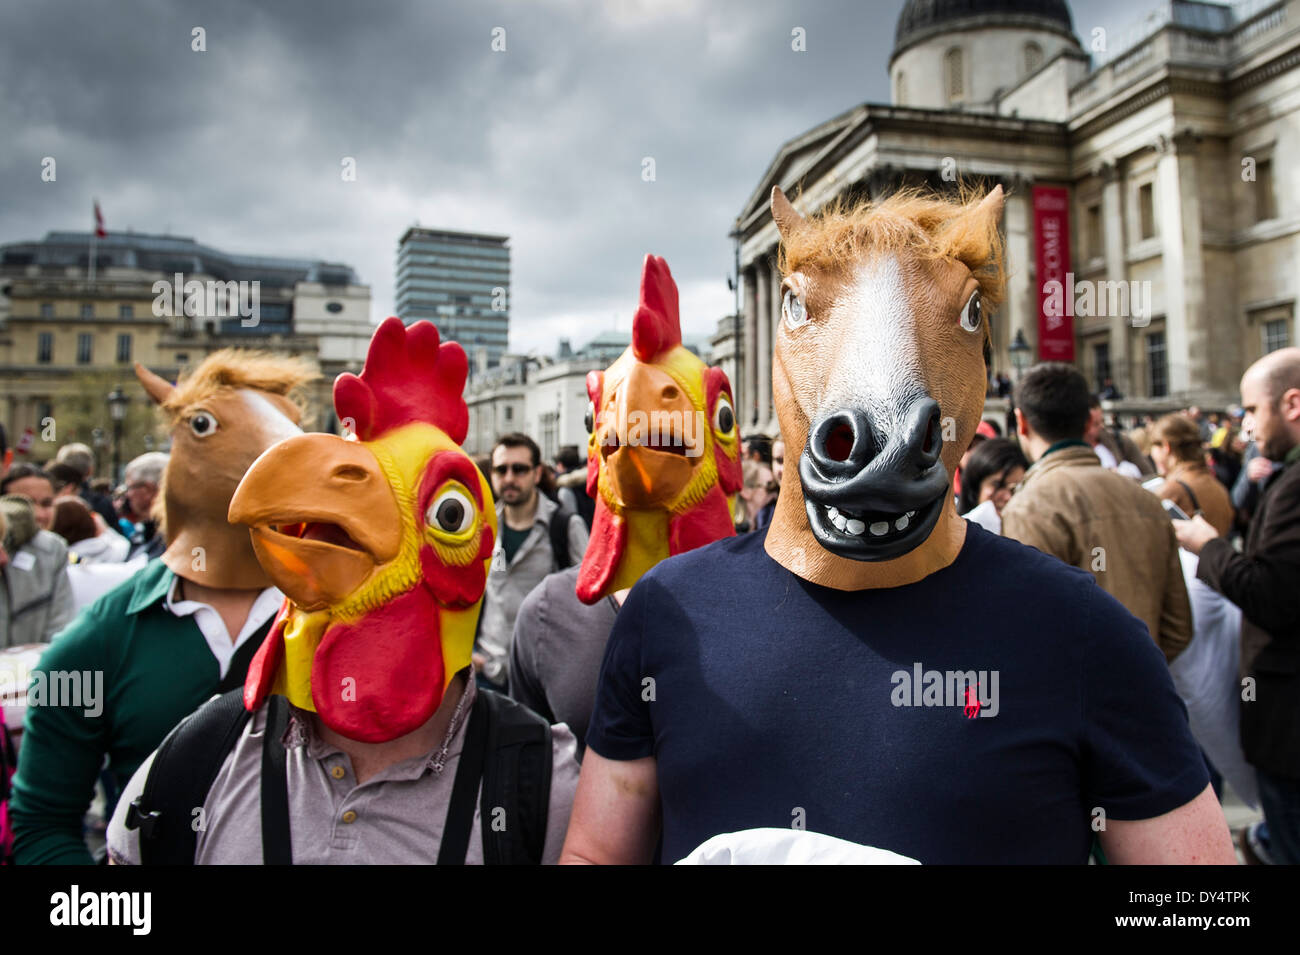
[
  {"x": 36, "y": 600},
  {"x": 537, "y": 537},
  {"x": 393, "y": 772},
  {"x": 764, "y": 516},
  {"x": 993, "y": 471},
  {"x": 1091, "y": 518},
  {"x": 33, "y": 483},
  {"x": 1108, "y": 390},
  {"x": 142, "y": 480},
  {"x": 1113, "y": 448},
  {"x": 181, "y": 629},
  {"x": 89, "y": 541},
  {"x": 1262, "y": 581},
  {"x": 983, "y": 432},
  {"x": 1177, "y": 452},
  {"x": 650, "y": 505},
  {"x": 755, "y": 492},
  {"x": 775, "y": 679},
  {"x": 65, "y": 478},
  {"x": 81, "y": 459},
  {"x": 571, "y": 484}
]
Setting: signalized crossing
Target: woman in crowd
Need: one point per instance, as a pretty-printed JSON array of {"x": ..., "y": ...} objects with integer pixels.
[
  {"x": 990, "y": 476},
  {"x": 1179, "y": 457}
]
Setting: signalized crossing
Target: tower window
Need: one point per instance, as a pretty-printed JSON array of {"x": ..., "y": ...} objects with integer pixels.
[
  {"x": 1033, "y": 57},
  {"x": 952, "y": 67}
]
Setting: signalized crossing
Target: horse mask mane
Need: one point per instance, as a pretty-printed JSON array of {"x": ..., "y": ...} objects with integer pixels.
[
  {"x": 663, "y": 454},
  {"x": 226, "y": 412},
  {"x": 878, "y": 377}
]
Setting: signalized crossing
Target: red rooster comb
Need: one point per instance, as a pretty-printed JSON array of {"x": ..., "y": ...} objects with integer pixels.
[
  {"x": 657, "y": 325},
  {"x": 408, "y": 377}
]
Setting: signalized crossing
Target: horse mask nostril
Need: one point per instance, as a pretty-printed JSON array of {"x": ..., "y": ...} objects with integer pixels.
[
  {"x": 842, "y": 442},
  {"x": 839, "y": 442}
]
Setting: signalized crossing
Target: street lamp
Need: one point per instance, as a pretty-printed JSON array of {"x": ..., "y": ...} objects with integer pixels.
[
  {"x": 117, "y": 402},
  {"x": 1020, "y": 353}
]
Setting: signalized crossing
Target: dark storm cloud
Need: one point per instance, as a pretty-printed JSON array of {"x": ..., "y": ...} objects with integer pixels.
[{"x": 240, "y": 146}]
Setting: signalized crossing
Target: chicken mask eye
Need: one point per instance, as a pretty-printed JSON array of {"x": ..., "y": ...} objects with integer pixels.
[
  {"x": 724, "y": 418},
  {"x": 451, "y": 512}
]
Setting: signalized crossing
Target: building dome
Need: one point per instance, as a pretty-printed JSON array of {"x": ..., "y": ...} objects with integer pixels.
[{"x": 924, "y": 19}]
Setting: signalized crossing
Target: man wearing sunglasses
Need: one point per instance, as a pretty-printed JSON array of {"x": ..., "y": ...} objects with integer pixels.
[{"x": 535, "y": 538}]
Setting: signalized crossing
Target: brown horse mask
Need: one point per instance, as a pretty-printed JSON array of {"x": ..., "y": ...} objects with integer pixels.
[
  {"x": 878, "y": 377},
  {"x": 234, "y": 406}
]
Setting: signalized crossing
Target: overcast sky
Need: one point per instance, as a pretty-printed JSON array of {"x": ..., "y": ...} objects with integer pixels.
[{"x": 240, "y": 147}]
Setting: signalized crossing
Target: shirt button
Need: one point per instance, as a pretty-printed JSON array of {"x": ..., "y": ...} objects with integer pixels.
[
  {"x": 349, "y": 816},
  {"x": 338, "y": 772}
]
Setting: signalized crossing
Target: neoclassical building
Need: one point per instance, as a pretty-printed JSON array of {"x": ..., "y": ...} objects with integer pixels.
[{"x": 1151, "y": 174}]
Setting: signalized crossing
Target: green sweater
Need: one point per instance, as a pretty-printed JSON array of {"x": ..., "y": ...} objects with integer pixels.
[{"x": 156, "y": 669}]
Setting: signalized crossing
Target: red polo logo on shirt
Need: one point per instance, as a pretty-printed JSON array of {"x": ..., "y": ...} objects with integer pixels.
[{"x": 975, "y": 691}]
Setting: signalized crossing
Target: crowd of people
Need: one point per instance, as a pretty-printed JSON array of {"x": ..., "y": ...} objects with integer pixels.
[
  {"x": 1189, "y": 521},
  {"x": 70, "y": 536}
]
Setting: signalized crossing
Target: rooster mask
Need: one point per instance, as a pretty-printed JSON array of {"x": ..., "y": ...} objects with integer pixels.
[
  {"x": 663, "y": 456},
  {"x": 380, "y": 541}
]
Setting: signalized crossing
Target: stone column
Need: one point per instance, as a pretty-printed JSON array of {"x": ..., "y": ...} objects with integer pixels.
[
  {"x": 1112, "y": 224},
  {"x": 763, "y": 345},
  {"x": 775, "y": 328},
  {"x": 1179, "y": 213},
  {"x": 747, "y": 396},
  {"x": 1020, "y": 310}
]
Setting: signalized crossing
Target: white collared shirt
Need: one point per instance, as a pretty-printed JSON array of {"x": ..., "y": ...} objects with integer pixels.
[{"x": 213, "y": 627}]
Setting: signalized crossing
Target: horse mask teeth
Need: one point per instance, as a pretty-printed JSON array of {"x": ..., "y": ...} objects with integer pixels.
[{"x": 878, "y": 383}]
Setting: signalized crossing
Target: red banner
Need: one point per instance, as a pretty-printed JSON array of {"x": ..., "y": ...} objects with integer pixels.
[{"x": 1052, "y": 255}]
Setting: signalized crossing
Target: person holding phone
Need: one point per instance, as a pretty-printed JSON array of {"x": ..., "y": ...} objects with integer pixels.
[{"x": 1179, "y": 457}]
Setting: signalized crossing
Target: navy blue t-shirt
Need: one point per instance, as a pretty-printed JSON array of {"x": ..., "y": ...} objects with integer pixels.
[{"x": 986, "y": 714}]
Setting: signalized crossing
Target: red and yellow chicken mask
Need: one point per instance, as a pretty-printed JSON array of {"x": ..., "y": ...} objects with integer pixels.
[
  {"x": 380, "y": 540},
  {"x": 663, "y": 456}
]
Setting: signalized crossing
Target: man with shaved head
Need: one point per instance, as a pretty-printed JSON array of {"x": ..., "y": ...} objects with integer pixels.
[{"x": 1264, "y": 582}]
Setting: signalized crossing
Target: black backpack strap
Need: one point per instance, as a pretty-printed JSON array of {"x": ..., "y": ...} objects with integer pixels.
[
  {"x": 559, "y": 528},
  {"x": 469, "y": 770},
  {"x": 277, "y": 842},
  {"x": 238, "y": 670},
  {"x": 516, "y": 783},
  {"x": 183, "y": 770},
  {"x": 1196, "y": 505}
]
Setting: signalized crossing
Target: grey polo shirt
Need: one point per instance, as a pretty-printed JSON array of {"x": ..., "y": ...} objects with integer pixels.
[
  {"x": 394, "y": 817},
  {"x": 509, "y": 582}
]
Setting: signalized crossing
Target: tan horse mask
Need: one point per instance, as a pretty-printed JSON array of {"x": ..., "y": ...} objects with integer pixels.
[
  {"x": 878, "y": 377},
  {"x": 234, "y": 406}
]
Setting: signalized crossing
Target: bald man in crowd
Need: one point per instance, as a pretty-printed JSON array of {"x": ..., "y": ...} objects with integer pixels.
[{"x": 1262, "y": 581}]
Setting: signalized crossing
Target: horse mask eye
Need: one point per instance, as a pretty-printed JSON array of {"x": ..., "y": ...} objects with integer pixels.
[
  {"x": 793, "y": 310},
  {"x": 972, "y": 314},
  {"x": 203, "y": 424}
]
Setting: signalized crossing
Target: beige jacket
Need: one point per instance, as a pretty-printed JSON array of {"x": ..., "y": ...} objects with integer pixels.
[{"x": 1102, "y": 522}]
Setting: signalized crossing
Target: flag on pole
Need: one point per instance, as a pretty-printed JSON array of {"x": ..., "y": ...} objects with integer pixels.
[{"x": 99, "y": 222}]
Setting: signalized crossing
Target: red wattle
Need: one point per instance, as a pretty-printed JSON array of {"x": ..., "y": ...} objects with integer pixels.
[
  {"x": 604, "y": 551},
  {"x": 702, "y": 524},
  {"x": 382, "y": 676},
  {"x": 261, "y": 671}
]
